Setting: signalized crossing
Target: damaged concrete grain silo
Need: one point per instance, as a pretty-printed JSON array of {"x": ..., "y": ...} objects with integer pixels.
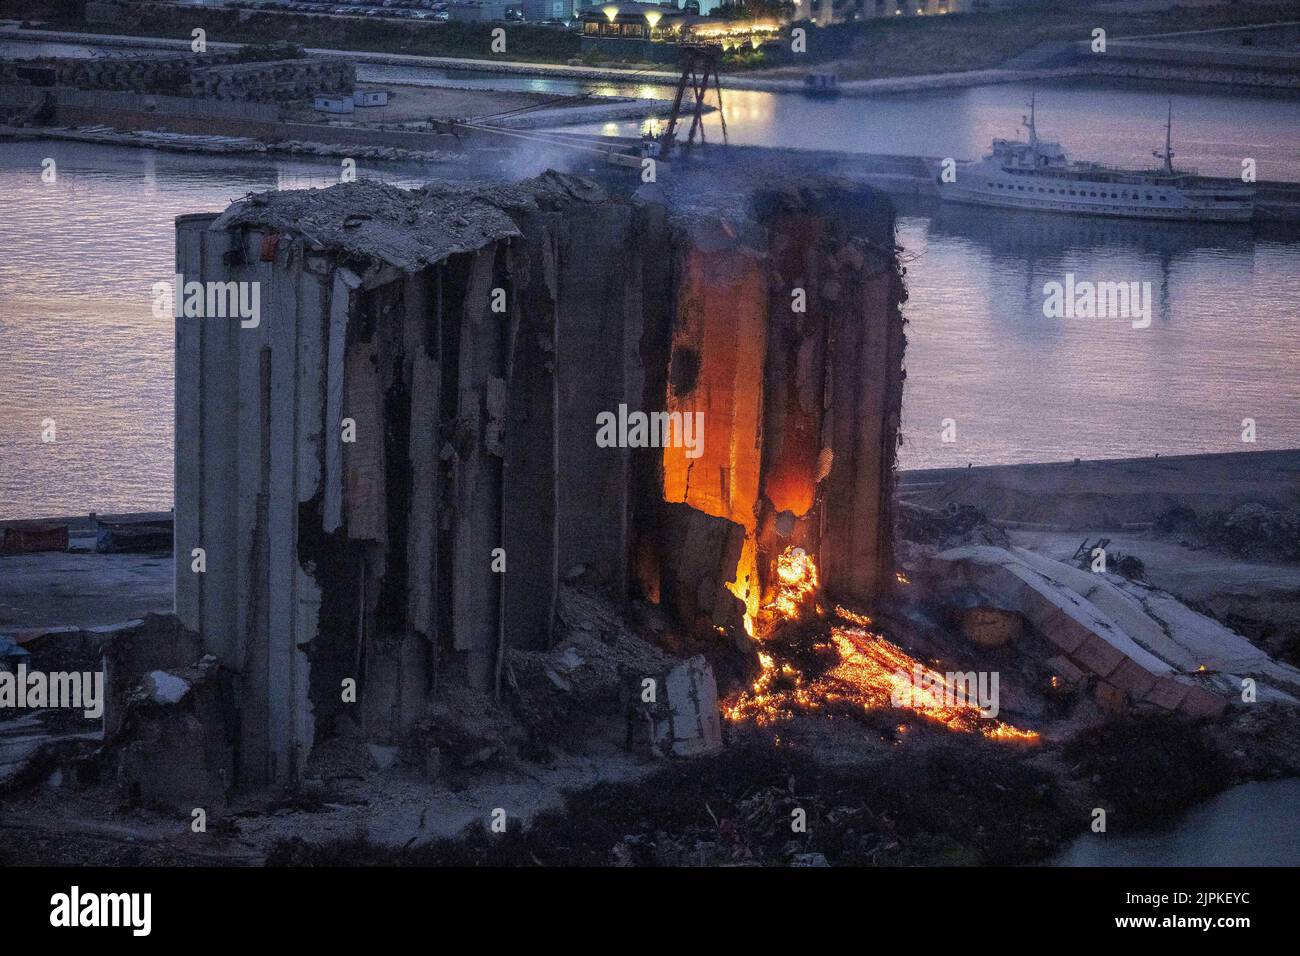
[{"x": 395, "y": 470}]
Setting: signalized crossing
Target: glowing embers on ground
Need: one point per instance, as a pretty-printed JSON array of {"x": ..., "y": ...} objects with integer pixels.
[
  {"x": 840, "y": 666},
  {"x": 853, "y": 667},
  {"x": 811, "y": 665},
  {"x": 796, "y": 591}
]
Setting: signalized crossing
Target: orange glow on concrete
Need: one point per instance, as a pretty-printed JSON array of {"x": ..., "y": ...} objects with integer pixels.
[
  {"x": 745, "y": 585},
  {"x": 790, "y": 487},
  {"x": 716, "y": 367}
]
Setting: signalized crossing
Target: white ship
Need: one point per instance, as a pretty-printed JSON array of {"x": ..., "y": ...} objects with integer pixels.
[{"x": 1037, "y": 175}]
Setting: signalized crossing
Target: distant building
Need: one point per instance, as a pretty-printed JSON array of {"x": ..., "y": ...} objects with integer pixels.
[
  {"x": 630, "y": 21},
  {"x": 548, "y": 9},
  {"x": 825, "y": 12},
  {"x": 666, "y": 23},
  {"x": 334, "y": 104},
  {"x": 370, "y": 97},
  {"x": 477, "y": 11}
]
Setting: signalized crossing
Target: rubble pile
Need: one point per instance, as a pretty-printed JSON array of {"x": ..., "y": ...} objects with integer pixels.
[{"x": 1251, "y": 531}]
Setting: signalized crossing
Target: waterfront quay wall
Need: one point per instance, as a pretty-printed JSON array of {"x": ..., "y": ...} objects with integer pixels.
[
  {"x": 1181, "y": 73},
  {"x": 177, "y": 114}
]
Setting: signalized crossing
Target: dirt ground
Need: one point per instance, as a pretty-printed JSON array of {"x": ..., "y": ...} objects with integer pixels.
[
  {"x": 869, "y": 787},
  {"x": 415, "y": 103},
  {"x": 1113, "y": 493},
  {"x": 82, "y": 590}
]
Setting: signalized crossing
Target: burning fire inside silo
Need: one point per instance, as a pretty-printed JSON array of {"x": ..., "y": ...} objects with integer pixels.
[{"x": 866, "y": 670}]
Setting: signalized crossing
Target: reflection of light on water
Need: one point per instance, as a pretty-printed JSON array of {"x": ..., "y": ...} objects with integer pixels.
[
  {"x": 968, "y": 292},
  {"x": 150, "y": 171}
]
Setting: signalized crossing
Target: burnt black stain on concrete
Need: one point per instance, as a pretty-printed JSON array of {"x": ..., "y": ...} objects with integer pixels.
[{"x": 685, "y": 371}]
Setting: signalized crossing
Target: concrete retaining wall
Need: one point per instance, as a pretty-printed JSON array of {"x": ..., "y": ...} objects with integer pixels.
[
  {"x": 171, "y": 113},
  {"x": 168, "y": 106}
]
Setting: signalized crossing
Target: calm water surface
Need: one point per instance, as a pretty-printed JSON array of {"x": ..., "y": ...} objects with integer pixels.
[
  {"x": 1255, "y": 824},
  {"x": 79, "y": 343}
]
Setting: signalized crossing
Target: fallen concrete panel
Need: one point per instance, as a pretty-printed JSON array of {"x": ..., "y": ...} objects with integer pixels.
[
  {"x": 694, "y": 726},
  {"x": 1163, "y": 625},
  {"x": 1148, "y": 647},
  {"x": 176, "y": 742}
]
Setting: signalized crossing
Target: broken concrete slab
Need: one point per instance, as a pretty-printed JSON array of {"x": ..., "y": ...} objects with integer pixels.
[
  {"x": 156, "y": 645},
  {"x": 991, "y": 627},
  {"x": 175, "y": 743},
  {"x": 1141, "y": 641},
  {"x": 161, "y": 687},
  {"x": 1065, "y": 673},
  {"x": 694, "y": 726}
]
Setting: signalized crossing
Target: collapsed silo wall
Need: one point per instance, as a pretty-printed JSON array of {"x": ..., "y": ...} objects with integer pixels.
[
  {"x": 395, "y": 469},
  {"x": 788, "y": 340}
]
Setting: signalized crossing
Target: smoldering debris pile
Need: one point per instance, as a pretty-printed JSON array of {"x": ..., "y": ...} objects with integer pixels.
[
  {"x": 463, "y": 403},
  {"x": 955, "y": 525}
]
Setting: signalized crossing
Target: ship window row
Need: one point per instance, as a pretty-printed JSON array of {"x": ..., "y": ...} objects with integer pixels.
[
  {"x": 1090, "y": 177},
  {"x": 1078, "y": 192}
]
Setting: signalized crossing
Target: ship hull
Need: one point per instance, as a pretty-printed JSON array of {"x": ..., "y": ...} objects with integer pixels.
[
  {"x": 1176, "y": 214},
  {"x": 1121, "y": 195}
]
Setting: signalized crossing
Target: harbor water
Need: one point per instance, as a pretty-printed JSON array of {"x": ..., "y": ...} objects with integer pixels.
[{"x": 80, "y": 345}]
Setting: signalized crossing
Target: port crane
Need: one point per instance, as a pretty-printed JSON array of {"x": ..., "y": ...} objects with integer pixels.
[{"x": 699, "y": 66}]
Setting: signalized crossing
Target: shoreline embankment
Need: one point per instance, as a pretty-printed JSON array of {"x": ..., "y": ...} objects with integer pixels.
[
  {"x": 1118, "y": 68},
  {"x": 1211, "y": 478}
]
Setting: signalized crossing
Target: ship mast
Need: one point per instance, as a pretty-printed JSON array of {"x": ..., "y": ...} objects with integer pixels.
[
  {"x": 1168, "y": 154},
  {"x": 1033, "y": 130}
]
